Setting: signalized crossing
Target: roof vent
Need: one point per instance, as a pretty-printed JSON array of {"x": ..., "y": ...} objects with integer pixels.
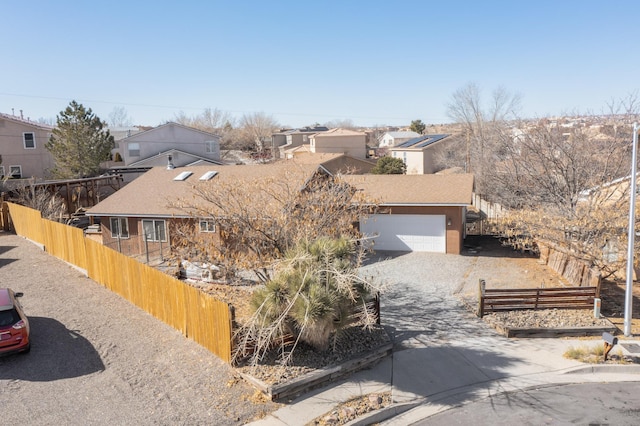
[
  {"x": 209, "y": 175},
  {"x": 170, "y": 165},
  {"x": 183, "y": 176}
]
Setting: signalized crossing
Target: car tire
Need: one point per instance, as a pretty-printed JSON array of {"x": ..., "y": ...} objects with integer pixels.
[{"x": 27, "y": 349}]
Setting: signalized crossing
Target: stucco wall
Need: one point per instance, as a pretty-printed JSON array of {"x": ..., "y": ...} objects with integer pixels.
[{"x": 36, "y": 162}]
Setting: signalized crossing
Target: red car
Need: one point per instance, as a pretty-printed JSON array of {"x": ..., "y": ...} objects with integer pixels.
[{"x": 14, "y": 325}]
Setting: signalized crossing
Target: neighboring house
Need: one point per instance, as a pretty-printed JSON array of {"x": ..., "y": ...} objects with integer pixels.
[
  {"x": 292, "y": 138},
  {"x": 22, "y": 148},
  {"x": 391, "y": 139},
  {"x": 334, "y": 164},
  {"x": 340, "y": 141},
  {"x": 419, "y": 153},
  {"x": 416, "y": 212},
  {"x": 169, "y": 143}
]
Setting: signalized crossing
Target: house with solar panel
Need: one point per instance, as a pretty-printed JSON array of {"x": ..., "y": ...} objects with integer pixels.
[
  {"x": 391, "y": 139},
  {"x": 419, "y": 153}
]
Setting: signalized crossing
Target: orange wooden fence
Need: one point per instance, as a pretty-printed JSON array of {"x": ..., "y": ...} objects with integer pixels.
[{"x": 195, "y": 314}]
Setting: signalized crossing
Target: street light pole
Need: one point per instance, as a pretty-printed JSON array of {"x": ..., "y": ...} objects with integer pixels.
[{"x": 628, "y": 304}]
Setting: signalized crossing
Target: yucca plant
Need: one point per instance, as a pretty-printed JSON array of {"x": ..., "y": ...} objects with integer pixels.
[{"x": 311, "y": 296}]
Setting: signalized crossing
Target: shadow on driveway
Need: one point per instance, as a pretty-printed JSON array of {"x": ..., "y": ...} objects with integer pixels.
[
  {"x": 452, "y": 375},
  {"x": 56, "y": 353}
]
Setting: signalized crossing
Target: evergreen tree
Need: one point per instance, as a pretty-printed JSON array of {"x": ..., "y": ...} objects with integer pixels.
[
  {"x": 79, "y": 143},
  {"x": 417, "y": 126},
  {"x": 389, "y": 166}
]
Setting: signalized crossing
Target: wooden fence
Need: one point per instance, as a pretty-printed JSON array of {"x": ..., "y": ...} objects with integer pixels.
[
  {"x": 494, "y": 300},
  {"x": 195, "y": 314}
]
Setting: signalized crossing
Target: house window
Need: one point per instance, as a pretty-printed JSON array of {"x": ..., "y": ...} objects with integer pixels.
[
  {"x": 15, "y": 172},
  {"x": 29, "y": 140},
  {"x": 210, "y": 147},
  {"x": 207, "y": 226},
  {"x": 154, "y": 230},
  {"x": 134, "y": 149},
  {"x": 119, "y": 227}
]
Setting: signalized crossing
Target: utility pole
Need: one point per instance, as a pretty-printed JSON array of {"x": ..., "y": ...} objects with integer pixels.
[{"x": 628, "y": 304}]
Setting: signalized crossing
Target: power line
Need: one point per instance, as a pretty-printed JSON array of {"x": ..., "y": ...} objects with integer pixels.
[{"x": 175, "y": 107}]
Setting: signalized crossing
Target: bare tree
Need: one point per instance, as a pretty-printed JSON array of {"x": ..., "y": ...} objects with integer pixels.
[
  {"x": 567, "y": 183},
  {"x": 342, "y": 123},
  {"x": 256, "y": 129},
  {"x": 37, "y": 197},
  {"x": 484, "y": 125},
  {"x": 261, "y": 219},
  {"x": 213, "y": 121},
  {"x": 119, "y": 117}
]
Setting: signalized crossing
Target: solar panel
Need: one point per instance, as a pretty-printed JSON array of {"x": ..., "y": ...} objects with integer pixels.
[
  {"x": 432, "y": 139},
  {"x": 422, "y": 141}
]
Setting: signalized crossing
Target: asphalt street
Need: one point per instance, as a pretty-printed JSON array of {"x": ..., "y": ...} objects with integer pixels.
[{"x": 574, "y": 404}]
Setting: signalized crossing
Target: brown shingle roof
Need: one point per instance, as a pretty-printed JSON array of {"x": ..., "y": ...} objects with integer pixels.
[
  {"x": 415, "y": 189},
  {"x": 150, "y": 194}
]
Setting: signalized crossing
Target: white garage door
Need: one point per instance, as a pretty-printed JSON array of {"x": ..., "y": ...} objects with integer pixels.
[{"x": 407, "y": 232}]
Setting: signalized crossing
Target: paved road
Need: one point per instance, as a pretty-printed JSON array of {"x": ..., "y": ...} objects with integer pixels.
[
  {"x": 97, "y": 359},
  {"x": 577, "y": 404}
]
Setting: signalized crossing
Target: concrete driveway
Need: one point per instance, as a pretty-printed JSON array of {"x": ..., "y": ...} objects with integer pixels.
[{"x": 440, "y": 346}]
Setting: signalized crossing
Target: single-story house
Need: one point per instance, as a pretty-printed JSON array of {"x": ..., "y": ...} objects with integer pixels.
[
  {"x": 139, "y": 216},
  {"x": 416, "y": 212}
]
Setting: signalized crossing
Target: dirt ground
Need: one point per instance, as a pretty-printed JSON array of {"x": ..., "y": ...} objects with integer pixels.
[{"x": 536, "y": 274}]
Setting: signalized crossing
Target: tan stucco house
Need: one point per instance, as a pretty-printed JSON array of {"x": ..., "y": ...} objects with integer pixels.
[
  {"x": 22, "y": 147},
  {"x": 339, "y": 141}
]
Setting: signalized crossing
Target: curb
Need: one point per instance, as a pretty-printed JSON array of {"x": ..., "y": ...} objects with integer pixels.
[
  {"x": 384, "y": 413},
  {"x": 620, "y": 369}
]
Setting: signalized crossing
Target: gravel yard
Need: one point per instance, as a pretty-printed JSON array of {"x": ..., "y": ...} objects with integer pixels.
[{"x": 97, "y": 359}]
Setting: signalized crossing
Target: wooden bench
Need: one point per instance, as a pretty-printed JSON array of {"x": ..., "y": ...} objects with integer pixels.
[{"x": 494, "y": 300}]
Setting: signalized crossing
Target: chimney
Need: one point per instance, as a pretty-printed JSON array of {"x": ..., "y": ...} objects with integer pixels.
[
  {"x": 21, "y": 116},
  {"x": 170, "y": 165},
  {"x": 13, "y": 112}
]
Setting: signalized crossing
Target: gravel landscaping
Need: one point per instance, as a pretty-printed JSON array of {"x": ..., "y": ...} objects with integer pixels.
[{"x": 97, "y": 359}]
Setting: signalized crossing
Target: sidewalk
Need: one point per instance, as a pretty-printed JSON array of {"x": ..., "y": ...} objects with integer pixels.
[{"x": 428, "y": 380}]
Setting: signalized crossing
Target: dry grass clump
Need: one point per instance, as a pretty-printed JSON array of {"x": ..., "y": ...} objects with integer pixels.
[{"x": 595, "y": 355}]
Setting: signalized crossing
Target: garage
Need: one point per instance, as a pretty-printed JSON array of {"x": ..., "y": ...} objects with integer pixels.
[{"x": 406, "y": 232}]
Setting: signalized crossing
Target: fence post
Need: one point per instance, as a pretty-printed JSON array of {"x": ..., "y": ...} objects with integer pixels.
[
  {"x": 481, "y": 288},
  {"x": 377, "y": 307},
  {"x": 4, "y": 214},
  {"x": 146, "y": 247}
]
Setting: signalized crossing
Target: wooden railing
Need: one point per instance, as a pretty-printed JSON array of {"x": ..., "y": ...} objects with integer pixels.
[{"x": 494, "y": 300}]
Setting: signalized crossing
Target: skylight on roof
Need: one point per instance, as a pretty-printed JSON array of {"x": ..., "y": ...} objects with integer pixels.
[
  {"x": 183, "y": 176},
  {"x": 209, "y": 175}
]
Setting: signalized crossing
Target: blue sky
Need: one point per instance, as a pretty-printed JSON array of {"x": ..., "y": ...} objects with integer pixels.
[{"x": 374, "y": 62}]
